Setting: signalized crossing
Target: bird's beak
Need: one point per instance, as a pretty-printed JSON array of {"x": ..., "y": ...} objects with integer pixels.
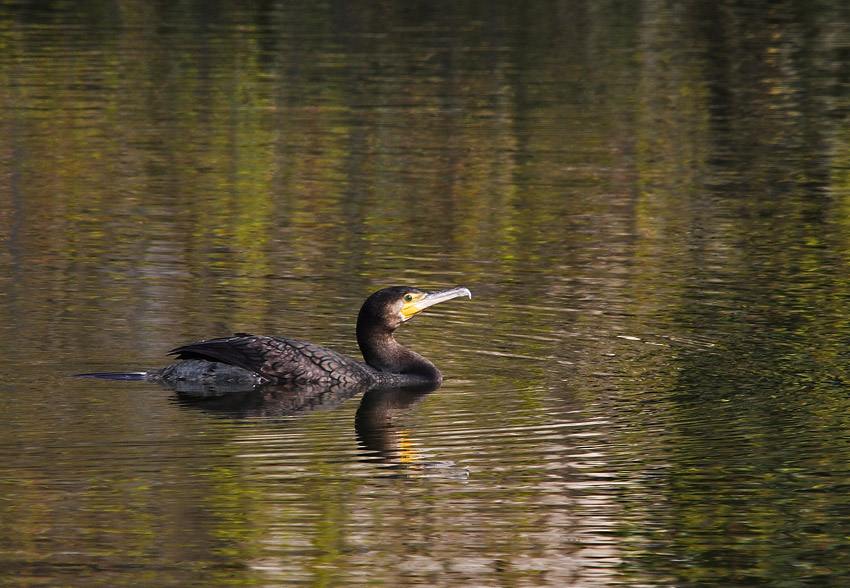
[{"x": 427, "y": 299}]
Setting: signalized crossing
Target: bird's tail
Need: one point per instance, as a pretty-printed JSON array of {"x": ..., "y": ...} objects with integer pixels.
[{"x": 132, "y": 376}]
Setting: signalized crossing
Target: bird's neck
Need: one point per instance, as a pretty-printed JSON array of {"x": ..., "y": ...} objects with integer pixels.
[{"x": 382, "y": 352}]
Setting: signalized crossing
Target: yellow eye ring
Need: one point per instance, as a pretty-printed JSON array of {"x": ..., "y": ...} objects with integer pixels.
[{"x": 408, "y": 297}]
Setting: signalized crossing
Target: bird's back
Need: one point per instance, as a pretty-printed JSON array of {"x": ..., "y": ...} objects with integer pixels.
[{"x": 280, "y": 360}]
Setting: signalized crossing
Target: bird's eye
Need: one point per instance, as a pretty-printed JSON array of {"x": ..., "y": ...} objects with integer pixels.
[{"x": 408, "y": 297}]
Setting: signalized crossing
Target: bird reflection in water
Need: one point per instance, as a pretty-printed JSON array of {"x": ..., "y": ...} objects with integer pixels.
[
  {"x": 378, "y": 434},
  {"x": 385, "y": 442},
  {"x": 264, "y": 401}
]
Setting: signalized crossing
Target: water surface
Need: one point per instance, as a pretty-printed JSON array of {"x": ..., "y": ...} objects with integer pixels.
[{"x": 648, "y": 201}]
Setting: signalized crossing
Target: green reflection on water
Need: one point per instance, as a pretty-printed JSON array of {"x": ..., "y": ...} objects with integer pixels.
[{"x": 648, "y": 201}]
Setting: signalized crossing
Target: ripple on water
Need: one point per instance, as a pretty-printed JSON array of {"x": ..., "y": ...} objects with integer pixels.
[{"x": 455, "y": 491}]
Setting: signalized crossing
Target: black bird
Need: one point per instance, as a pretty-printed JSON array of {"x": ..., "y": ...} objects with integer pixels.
[{"x": 260, "y": 359}]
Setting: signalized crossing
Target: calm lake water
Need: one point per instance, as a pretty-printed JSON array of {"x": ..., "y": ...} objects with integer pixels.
[{"x": 650, "y": 202}]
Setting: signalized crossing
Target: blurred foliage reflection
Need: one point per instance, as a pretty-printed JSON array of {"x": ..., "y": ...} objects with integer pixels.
[{"x": 649, "y": 200}]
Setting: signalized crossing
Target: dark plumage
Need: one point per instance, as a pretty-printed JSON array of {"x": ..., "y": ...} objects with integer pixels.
[
  {"x": 278, "y": 360},
  {"x": 257, "y": 359}
]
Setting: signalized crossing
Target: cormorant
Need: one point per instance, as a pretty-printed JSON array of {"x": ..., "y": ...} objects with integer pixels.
[{"x": 260, "y": 359}]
